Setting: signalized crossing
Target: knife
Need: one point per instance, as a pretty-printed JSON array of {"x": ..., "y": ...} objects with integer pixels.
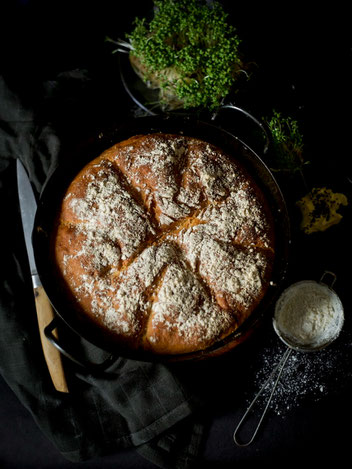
[{"x": 45, "y": 312}]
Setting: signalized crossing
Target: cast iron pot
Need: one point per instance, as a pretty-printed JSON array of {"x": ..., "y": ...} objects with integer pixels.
[{"x": 76, "y": 157}]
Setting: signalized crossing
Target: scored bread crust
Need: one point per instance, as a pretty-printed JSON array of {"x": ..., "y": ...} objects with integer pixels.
[{"x": 166, "y": 242}]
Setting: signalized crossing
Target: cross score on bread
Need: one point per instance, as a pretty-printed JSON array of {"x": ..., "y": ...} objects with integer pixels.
[{"x": 165, "y": 241}]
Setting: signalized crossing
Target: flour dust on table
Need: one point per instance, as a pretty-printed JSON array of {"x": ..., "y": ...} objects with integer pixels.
[{"x": 306, "y": 376}]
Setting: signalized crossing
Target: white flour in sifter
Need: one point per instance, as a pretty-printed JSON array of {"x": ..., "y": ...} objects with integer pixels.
[{"x": 309, "y": 314}]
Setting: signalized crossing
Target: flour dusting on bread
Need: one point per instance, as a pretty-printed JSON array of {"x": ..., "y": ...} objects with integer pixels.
[{"x": 166, "y": 241}]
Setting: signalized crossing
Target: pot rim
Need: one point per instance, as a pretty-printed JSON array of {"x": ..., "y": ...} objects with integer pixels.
[{"x": 85, "y": 151}]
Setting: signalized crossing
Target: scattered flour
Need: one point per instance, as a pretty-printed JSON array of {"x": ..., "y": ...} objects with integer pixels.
[{"x": 306, "y": 377}]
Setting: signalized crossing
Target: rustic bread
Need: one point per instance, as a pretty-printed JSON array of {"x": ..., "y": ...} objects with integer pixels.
[{"x": 166, "y": 242}]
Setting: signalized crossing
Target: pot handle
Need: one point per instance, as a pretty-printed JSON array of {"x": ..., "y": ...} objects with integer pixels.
[
  {"x": 253, "y": 119},
  {"x": 89, "y": 366}
]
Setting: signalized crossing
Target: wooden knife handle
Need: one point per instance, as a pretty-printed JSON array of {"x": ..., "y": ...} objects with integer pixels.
[{"x": 45, "y": 315}]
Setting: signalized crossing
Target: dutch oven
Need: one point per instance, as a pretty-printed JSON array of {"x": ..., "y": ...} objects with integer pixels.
[{"x": 77, "y": 156}]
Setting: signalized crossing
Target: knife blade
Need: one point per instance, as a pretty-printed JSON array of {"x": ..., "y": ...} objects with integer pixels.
[{"x": 45, "y": 312}]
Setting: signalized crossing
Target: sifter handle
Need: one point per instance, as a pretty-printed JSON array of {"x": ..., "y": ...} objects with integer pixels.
[
  {"x": 278, "y": 369},
  {"x": 325, "y": 274}
]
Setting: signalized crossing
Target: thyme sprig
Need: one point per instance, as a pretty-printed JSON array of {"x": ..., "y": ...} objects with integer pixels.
[{"x": 287, "y": 143}]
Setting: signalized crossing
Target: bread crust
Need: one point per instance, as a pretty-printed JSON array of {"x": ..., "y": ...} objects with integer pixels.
[{"x": 166, "y": 242}]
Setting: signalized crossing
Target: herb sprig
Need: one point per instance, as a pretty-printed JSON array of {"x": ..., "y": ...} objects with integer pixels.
[{"x": 287, "y": 143}]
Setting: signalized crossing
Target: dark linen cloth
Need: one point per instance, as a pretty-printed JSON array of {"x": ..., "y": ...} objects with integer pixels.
[{"x": 133, "y": 404}]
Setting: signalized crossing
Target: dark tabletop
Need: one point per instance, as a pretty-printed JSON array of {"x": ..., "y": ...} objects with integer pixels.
[{"x": 304, "y": 60}]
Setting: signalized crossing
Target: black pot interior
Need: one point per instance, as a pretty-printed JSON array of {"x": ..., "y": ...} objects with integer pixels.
[{"x": 76, "y": 157}]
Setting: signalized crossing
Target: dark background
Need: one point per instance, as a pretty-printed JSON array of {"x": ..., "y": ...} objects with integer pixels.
[{"x": 303, "y": 61}]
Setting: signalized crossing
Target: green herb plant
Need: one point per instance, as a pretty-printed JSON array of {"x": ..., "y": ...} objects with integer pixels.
[
  {"x": 189, "y": 51},
  {"x": 287, "y": 143}
]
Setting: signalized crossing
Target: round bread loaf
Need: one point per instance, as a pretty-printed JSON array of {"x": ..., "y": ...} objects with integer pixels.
[{"x": 166, "y": 242}]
